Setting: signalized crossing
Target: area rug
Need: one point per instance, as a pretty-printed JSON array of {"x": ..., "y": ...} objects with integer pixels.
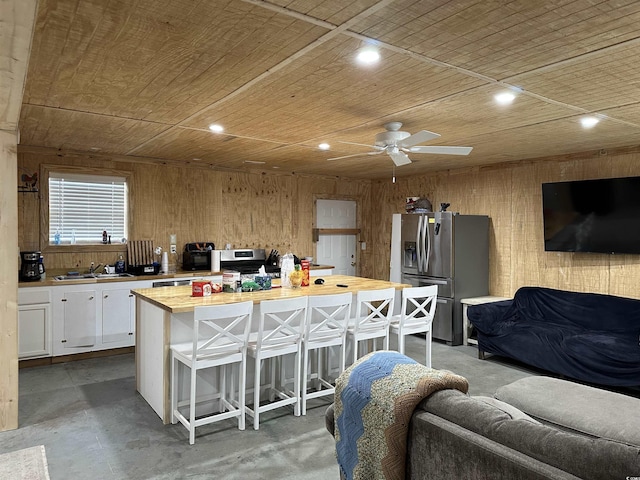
[{"x": 26, "y": 464}]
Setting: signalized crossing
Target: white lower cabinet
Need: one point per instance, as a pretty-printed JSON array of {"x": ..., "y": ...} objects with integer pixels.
[
  {"x": 91, "y": 317},
  {"x": 34, "y": 323},
  {"x": 118, "y": 318},
  {"x": 75, "y": 319}
]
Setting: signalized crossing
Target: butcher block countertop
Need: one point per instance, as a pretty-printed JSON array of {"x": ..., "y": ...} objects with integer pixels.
[{"x": 179, "y": 299}]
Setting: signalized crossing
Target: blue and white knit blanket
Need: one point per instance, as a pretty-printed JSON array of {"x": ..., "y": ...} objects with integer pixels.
[{"x": 374, "y": 400}]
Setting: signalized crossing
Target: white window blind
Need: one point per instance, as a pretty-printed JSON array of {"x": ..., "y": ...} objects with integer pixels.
[{"x": 82, "y": 206}]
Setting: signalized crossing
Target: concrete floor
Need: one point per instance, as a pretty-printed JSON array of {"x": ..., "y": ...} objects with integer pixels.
[{"x": 94, "y": 424}]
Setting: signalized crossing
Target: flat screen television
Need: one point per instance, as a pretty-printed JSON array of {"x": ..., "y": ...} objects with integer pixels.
[{"x": 601, "y": 216}]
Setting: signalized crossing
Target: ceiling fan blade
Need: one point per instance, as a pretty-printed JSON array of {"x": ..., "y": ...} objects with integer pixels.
[
  {"x": 441, "y": 150},
  {"x": 362, "y": 145},
  {"x": 356, "y": 155},
  {"x": 419, "y": 137},
  {"x": 399, "y": 158}
]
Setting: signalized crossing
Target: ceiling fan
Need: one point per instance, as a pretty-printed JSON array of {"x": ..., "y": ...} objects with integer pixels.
[{"x": 397, "y": 144}]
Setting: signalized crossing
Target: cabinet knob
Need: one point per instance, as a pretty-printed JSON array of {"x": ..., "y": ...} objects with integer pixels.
[
  {"x": 91, "y": 298},
  {"x": 106, "y": 296}
]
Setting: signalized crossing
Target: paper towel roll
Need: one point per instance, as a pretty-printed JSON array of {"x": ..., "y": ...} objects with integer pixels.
[
  {"x": 165, "y": 262},
  {"x": 215, "y": 261}
]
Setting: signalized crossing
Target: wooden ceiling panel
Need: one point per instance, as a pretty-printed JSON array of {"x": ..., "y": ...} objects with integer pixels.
[
  {"x": 67, "y": 129},
  {"x": 629, "y": 113},
  {"x": 326, "y": 91},
  {"x": 604, "y": 79},
  {"x": 154, "y": 60},
  {"x": 503, "y": 38},
  {"x": 146, "y": 78},
  {"x": 332, "y": 11}
]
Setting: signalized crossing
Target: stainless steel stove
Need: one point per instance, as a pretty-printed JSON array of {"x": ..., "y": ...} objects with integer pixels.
[{"x": 247, "y": 262}]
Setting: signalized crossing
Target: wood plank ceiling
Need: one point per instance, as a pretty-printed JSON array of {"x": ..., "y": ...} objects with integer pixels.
[{"x": 147, "y": 77}]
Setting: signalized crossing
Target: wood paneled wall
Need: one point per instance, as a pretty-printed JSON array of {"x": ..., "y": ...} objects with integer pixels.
[
  {"x": 511, "y": 195},
  {"x": 265, "y": 210},
  {"x": 247, "y": 210}
]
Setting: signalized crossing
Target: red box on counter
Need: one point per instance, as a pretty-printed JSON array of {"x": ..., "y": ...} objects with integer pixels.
[
  {"x": 200, "y": 289},
  {"x": 305, "y": 265}
]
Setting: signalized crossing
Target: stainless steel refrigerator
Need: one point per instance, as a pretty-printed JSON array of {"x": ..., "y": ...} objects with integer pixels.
[{"x": 447, "y": 250}]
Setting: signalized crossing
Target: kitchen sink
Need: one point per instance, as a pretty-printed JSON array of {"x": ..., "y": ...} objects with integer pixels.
[
  {"x": 113, "y": 275},
  {"x": 86, "y": 276}
]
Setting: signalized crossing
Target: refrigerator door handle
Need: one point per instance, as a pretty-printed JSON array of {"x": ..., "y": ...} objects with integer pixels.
[
  {"x": 427, "y": 240},
  {"x": 419, "y": 245}
]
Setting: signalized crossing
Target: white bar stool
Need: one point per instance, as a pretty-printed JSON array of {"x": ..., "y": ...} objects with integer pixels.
[
  {"x": 279, "y": 334},
  {"x": 374, "y": 309},
  {"x": 416, "y": 316},
  {"x": 325, "y": 326},
  {"x": 220, "y": 336}
]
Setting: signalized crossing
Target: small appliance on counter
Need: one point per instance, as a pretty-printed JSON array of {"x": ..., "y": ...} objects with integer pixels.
[
  {"x": 30, "y": 267},
  {"x": 197, "y": 256}
]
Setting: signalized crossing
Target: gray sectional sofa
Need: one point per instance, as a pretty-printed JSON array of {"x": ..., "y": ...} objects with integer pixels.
[{"x": 535, "y": 428}]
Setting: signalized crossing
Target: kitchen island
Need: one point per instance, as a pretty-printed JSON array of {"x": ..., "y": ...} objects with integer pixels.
[{"x": 165, "y": 316}]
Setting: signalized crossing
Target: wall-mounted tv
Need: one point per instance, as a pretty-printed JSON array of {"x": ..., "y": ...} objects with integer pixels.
[{"x": 601, "y": 216}]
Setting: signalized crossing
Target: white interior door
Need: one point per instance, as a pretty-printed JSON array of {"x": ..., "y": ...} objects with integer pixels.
[{"x": 337, "y": 250}]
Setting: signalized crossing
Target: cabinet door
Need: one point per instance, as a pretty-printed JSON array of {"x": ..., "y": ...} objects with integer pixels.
[
  {"x": 33, "y": 331},
  {"x": 79, "y": 319},
  {"x": 117, "y": 317}
]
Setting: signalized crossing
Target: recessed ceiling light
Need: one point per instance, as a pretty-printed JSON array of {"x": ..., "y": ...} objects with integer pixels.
[
  {"x": 324, "y": 146},
  {"x": 589, "y": 122},
  {"x": 368, "y": 56},
  {"x": 504, "y": 98},
  {"x": 215, "y": 128}
]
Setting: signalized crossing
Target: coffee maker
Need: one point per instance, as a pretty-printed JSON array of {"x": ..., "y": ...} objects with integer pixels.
[{"x": 30, "y": 269}]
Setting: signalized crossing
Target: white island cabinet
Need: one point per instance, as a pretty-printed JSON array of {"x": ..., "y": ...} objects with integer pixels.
[{"x": 34, "y": 323}]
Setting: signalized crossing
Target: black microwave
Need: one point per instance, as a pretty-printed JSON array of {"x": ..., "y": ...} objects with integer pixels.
[{"x": 197, "y": 256}]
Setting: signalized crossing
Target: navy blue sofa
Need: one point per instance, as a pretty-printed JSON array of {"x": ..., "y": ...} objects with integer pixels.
[{"x": 589, "y": 337}]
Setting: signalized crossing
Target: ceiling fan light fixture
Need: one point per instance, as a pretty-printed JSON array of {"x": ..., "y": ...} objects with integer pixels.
[
  {"x": 324, "y": 146},
  {"x": 215, "y": 128},
  {"x": 589, "y": 121}
]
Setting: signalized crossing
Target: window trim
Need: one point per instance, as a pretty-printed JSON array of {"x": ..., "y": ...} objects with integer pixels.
[{"x": 45, "y": 170}]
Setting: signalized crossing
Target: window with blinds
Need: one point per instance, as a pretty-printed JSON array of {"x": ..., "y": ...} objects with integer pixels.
[{"x": 82, "y": 207}]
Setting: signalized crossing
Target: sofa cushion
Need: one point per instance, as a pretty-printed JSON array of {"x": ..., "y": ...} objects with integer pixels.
[
  {"x": 510, "y": 410},
  {"x": 592, "y": 311},
  {"x": 575, "y": 407},
  {"x": 585, "y": 457}
]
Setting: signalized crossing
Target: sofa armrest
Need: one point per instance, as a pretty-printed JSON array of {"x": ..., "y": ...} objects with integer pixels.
[
  {"x": 329, "y": 421},
  {"x": 487, "y": 317}
]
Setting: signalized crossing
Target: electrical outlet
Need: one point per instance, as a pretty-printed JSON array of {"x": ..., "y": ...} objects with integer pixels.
[
  {"x": 363, "y": 245},
  {"x": 173, "y": 249}
]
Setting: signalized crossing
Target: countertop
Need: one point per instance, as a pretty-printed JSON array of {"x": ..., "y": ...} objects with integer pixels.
[
  {"x": 50, "y": 281},
  {"x": 179, "y": 299}
]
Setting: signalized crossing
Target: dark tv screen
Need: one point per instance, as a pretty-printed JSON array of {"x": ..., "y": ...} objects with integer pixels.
[{"x": 601, "y": 216}]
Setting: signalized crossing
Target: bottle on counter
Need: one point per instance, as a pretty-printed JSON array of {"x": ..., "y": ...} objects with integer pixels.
[
  {"x": 286, "y": 268},
  {"x": 296, "y": 277},
  {"x": 120, "y": 265}
]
